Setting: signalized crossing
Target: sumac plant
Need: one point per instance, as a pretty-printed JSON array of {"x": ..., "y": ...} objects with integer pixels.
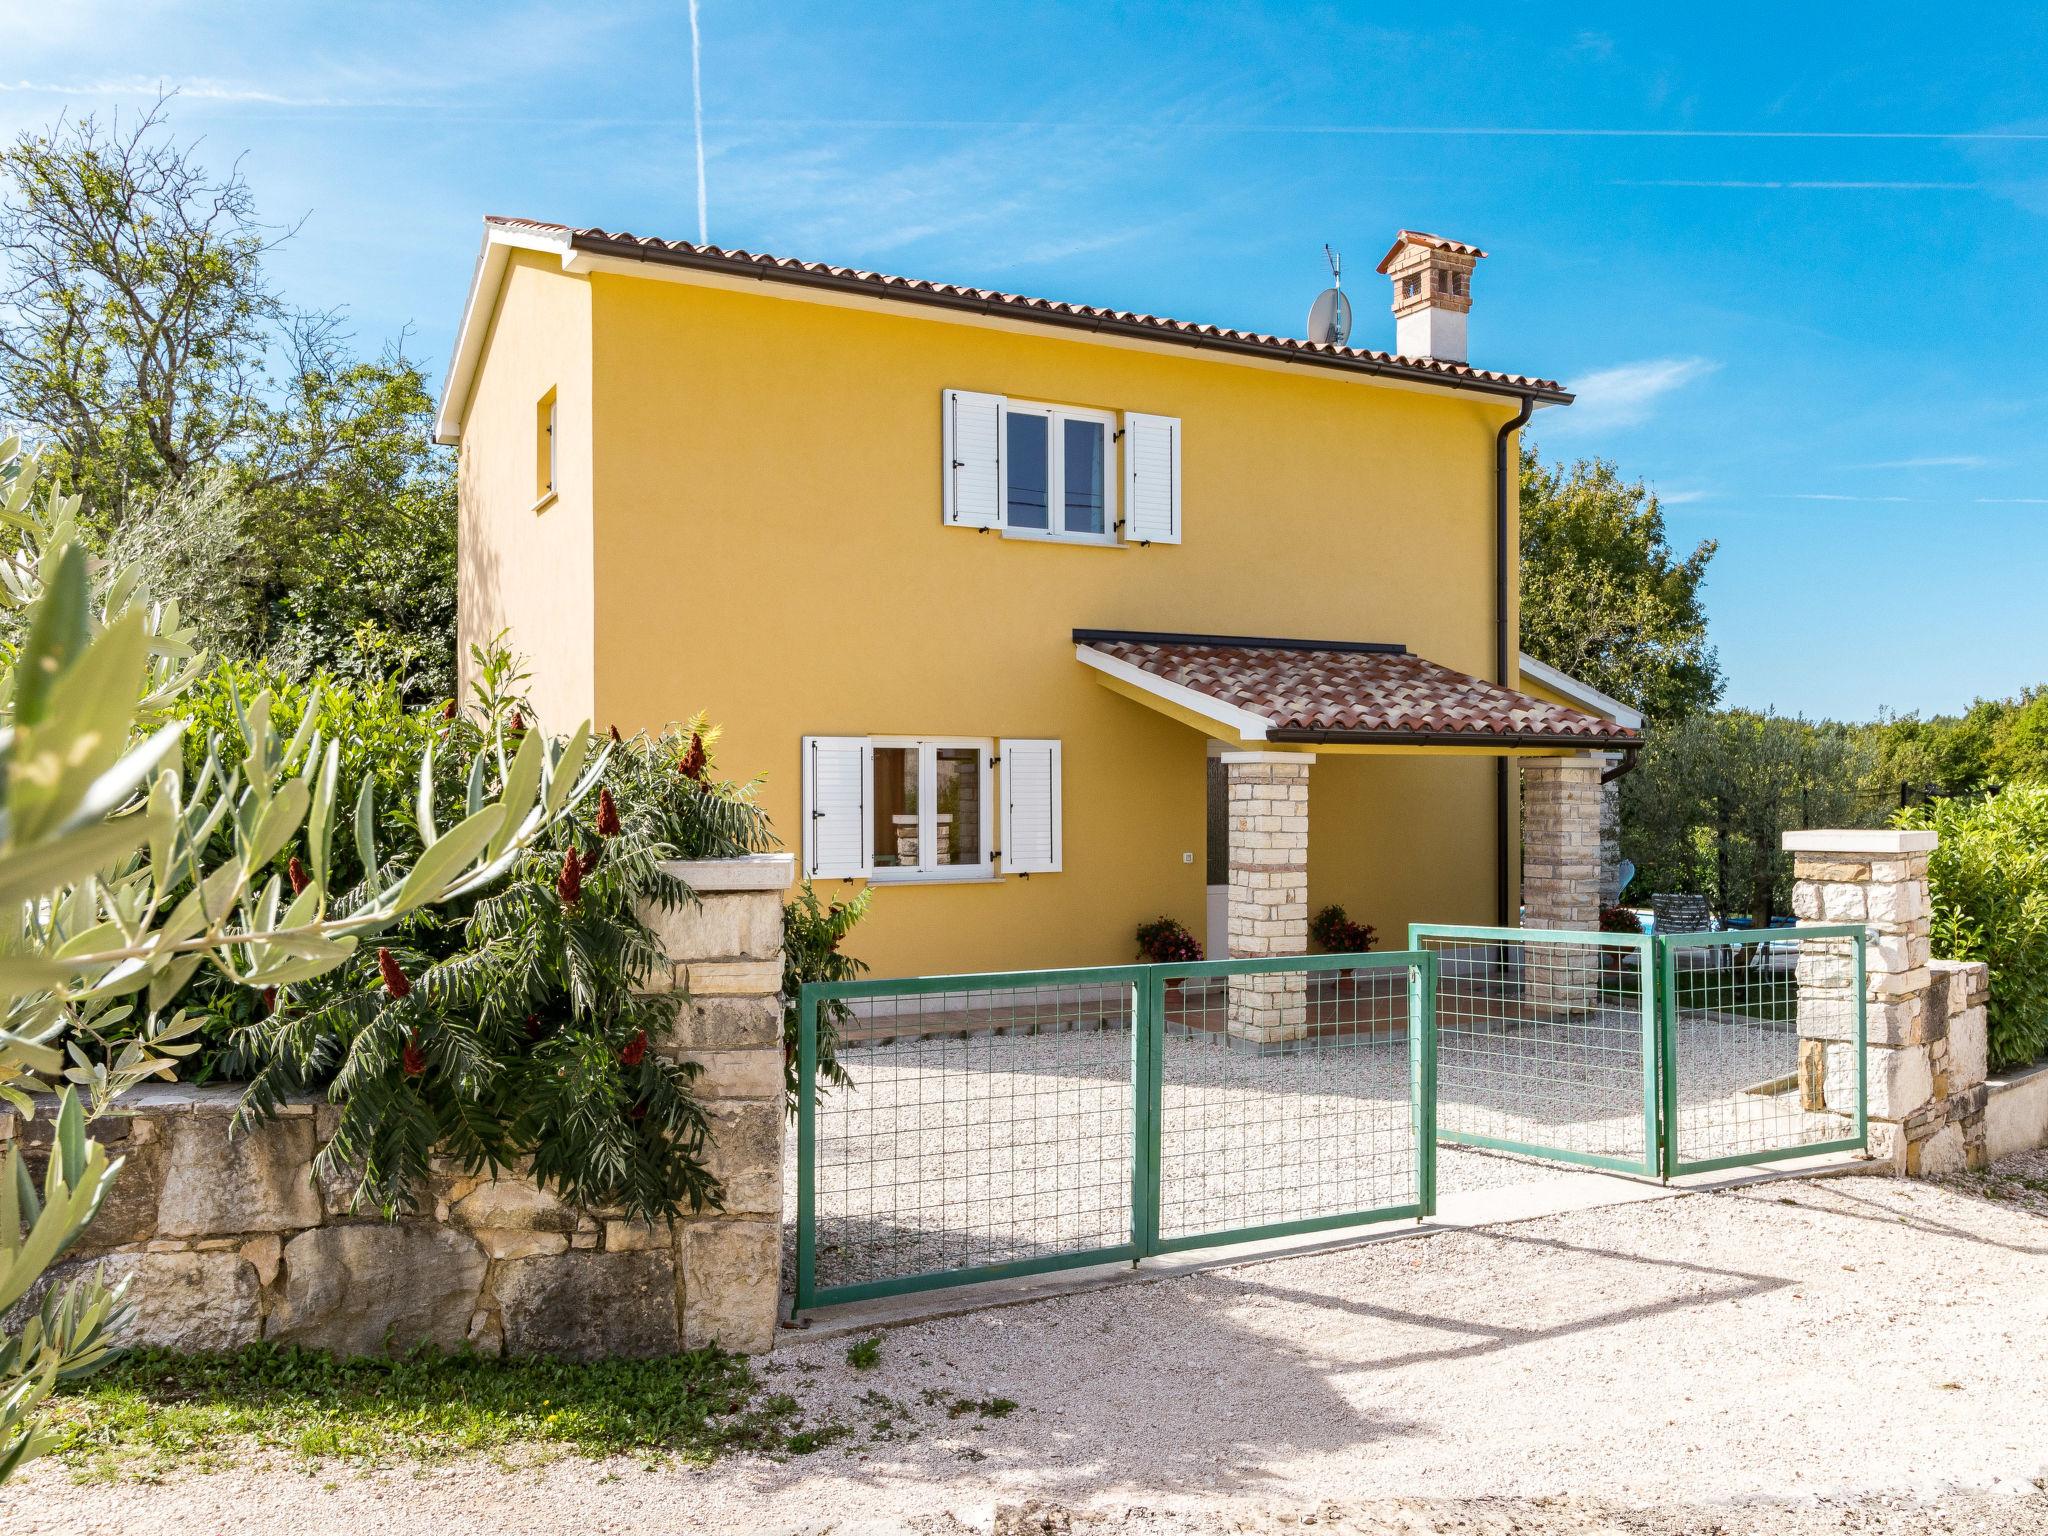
[{"x": 513, "y": 1032}]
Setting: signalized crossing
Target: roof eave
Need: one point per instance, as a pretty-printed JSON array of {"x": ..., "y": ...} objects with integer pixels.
[
  {"x": 1113, "y": 325},
  {"x": 1507, "y": 739}
]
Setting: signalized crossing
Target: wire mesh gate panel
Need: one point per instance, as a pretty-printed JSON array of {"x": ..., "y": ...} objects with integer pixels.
[
  {"x": 1290, "y": 1097},
  {"x": 1658, "y": 1055},
  {"x": 1762, "y": 1034},
  {"x": 1546, "y": 1043},
  {"x": 1005, "y": 1124}
]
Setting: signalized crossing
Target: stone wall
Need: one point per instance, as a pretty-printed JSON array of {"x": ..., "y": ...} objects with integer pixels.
[
  {"x": 1924, "y": 1018},
  {"x": 234, "y": 1238}
]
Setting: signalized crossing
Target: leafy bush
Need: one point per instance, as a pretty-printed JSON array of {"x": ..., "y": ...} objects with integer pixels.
[
  {"x": 1333, "y": 929},
  {"x": 1990, "y": 885},
  {"x": 811, "y": 936},
  {"x": 1165, "y": 940}
]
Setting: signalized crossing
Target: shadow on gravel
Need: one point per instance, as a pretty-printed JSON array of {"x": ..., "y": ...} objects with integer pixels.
[
  {"x": 1490, "y": 1336},
  {"x": 1834, "y": 1199}
]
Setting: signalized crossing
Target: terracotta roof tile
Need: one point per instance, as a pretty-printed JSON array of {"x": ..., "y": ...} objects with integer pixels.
[
  {"x": 992, "y": 300},
  {"x": 1431, "y": 242},
  {"x": 1308, "y": 689}
]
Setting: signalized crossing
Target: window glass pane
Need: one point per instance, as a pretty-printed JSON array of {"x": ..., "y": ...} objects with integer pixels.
[
  {"x": 1082, "y": 472},
  {"x": 896, "y": 807},
  {"x": 1028, "y": 456},
  {"x": 956, "y": 836}
]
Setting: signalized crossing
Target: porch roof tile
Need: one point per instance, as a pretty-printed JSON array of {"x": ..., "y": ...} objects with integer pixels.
[{"x": 1328, "y": 690}]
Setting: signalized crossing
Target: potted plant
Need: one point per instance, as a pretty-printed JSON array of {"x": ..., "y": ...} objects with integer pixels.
[
  {"x": 1166, "y": 941},
  {"x": 1335, "y": 933}
]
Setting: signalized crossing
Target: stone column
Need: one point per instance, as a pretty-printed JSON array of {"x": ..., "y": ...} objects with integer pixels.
[
  {"x": 1268, "y": 891},
  {"x": 726, "y": 955},
  {"x": 1924, "y": 1018},
  {"x": 1561, "y": 803}
]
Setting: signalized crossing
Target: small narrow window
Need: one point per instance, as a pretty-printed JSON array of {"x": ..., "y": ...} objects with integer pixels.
[
  {"x": 544, "y": 440},
  {"x": 1411, "y": 285}
]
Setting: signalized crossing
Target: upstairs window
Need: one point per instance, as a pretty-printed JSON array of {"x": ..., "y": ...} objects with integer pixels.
[
  {"x": 544, "y": 439},
  {"x": 1052, "y": 472},
  {"x": 1056, "y": 478}
]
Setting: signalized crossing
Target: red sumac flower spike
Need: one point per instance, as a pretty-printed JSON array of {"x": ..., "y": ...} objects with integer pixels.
[
  {"x": 449, "y": 712},
  {"x": 296, "y": 873},
  {"x": 413, "y": 1058},
  {"x": 395, "y": 980},
  {"x": 607, "y": 814},
  {"x": 590, "y": 860},
  {"x": 615, "y": 732},
  {"x": 569, "y": 884},
  {"x": 518, "y": 722},
  {"x": 635, "y": 1049},
  {"x": 270, "y": 999},
  {"x": 693, "y": 760}
]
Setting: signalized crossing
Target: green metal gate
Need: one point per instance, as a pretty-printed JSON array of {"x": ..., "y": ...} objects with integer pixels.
[
  {"x": 1656, "y": 1055},
  {"x": 1020, "y": 1122}
]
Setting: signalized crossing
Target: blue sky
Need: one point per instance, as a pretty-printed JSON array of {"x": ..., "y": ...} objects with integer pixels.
[{"x": 1792, "y": 259}]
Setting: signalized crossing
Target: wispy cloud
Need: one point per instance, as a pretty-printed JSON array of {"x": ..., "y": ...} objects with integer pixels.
[
  {"x": 1813, "y": 186},
  {"x": 1682, "y": 498},
  {"x": 1932, "y": 461},
  {"x": 1628, "y": 394},
  {"x": 193, "y": 90},
  {"x": 2012, "y": 501},
  {"x": 1836, "y": 496}
]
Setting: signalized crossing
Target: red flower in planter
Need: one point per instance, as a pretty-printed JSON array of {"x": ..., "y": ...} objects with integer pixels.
[
  {"x": 635, "y": 1049},
  {"x": 569, "y": 884},
  {"x": 692, "y": 765},
  {"x": 296, "y": 873},
  {"x": 607, "y": 814},
  {"x": 395, "y": 980},
  {"x": 413, "y": 1058}
]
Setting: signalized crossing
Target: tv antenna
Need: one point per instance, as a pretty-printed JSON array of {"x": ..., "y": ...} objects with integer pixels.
[{"x": 1329, "y": 318}]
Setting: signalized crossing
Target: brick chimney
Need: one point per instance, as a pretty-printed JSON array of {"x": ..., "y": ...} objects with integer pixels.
[{"x": 1432, "y": 294}]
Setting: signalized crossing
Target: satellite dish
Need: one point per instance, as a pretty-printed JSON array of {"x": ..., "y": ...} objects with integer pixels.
[{"x": 1329, "y": 318}]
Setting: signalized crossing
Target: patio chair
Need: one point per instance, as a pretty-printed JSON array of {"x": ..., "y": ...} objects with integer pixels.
[{"x": 1684, "y": 912}]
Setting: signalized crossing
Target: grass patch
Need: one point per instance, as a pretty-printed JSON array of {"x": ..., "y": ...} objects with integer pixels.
[
  {"x": 865, "y": 1355},
  {"x": 150, "y": 1410}
]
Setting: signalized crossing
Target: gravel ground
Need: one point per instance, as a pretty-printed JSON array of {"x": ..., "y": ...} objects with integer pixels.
[
  {"x": 953, "y": 1152},
  {"x": 1848, "y": 1354}
]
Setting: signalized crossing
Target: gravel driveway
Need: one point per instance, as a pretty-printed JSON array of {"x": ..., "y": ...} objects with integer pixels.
[{"x": 1805, "y": 1356}]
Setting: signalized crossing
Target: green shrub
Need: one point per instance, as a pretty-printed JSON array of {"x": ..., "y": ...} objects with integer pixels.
[
  {"x": 1990, "y": 885},
  {"x": 811, "y": 935}
]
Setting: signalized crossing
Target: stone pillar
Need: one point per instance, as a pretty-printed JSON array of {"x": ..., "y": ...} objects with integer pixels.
[
  {"x": 1925, "y": 1019},
  {"x": 1268, "y": 808},
  {"x": 726, "y": 955},
  {"x": 1561, "y": 804}
]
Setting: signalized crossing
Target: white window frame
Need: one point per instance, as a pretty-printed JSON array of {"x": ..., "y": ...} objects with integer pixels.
[
  {"x": 928, "y": 811},
  {"x": 1056, "y": 453}
]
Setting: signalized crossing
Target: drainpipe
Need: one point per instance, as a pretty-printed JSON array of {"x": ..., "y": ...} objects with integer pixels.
[{"x": 1502, "y": 916}]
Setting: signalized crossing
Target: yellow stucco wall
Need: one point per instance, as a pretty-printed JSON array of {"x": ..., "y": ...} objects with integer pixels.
[
  {"x": 523, "y": 568},
  {"x": 768, "y": 545}
]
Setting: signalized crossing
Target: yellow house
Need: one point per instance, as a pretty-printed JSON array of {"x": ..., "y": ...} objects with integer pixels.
[{"x": 1046, "y": 619}]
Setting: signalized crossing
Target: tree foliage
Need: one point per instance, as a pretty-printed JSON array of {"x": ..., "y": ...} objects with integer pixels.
[
  {"x": 1605, "y": 598},
  {"x": 286, "y": 489},
  {"x": 1709, "y": 802}
]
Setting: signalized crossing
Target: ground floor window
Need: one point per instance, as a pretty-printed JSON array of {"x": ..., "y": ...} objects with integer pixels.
[{"x": 930, "y": 807}]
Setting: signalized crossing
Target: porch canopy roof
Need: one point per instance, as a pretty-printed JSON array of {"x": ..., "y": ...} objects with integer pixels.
[{"x": 1336, "y": 695}]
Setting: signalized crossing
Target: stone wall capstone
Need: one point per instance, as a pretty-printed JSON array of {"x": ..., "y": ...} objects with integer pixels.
[{"x": 231, "y": 1239}]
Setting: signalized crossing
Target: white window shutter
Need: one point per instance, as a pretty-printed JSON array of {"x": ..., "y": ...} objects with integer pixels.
[
  {"x": 974, "y": 459},
  {"x": 839, "y": 776},
  {"x": 1151, "y": 479},
  {"x": 1031, "y": 806}
]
